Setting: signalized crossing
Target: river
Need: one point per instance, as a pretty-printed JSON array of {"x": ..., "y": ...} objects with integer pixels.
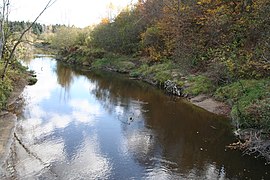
[{"x": 101, "y": 125}]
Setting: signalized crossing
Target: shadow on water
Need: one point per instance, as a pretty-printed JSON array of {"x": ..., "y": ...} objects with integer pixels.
[{"x": 110, "y": 127}]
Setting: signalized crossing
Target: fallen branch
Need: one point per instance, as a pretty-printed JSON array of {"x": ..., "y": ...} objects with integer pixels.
[{"x": 252, "y": 143}]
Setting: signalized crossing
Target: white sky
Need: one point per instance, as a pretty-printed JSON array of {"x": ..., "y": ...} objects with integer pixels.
[{"x": 80, "y": 13}]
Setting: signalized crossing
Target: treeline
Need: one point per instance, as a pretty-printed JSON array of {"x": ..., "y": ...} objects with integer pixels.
[
  {"x": 216, "y": 47},
  {"x": 226, "y": 36},
  {"x": 37, "y": 28},
  {"x": 19, "y": 26},
  {"x": 229, "y": 37}
]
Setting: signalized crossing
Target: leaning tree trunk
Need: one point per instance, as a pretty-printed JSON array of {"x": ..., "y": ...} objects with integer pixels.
[
  {"x": 11, "y": 56},
  {"x": 2, "y": 29}
]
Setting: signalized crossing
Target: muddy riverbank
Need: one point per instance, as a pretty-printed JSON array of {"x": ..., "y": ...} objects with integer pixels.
[{"x": 211, "y": 105}]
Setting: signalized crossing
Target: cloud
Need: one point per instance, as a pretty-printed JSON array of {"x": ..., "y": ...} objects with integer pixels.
[
  {"x": 83, "y": 111},
  {"x": 137, "y": 142},
  {"x": 28, "y": 165},
  {"x": 89, "y": 164},
  {"x": 60, "y": 121},
  {"x": 46, "y": 81}
]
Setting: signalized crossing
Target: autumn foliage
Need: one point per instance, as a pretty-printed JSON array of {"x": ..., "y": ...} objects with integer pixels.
[
  {"x": 216, "y": 47},
  {"x": 203, "y": 34}
]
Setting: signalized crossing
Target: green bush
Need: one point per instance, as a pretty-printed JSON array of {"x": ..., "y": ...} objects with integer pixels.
[
  {"x": 95, "y": 53},
  {"x": 258, "y": 114},
  {"x": 32, "y": 81},
  {"x": 5, "y": 90},
  {"x": 249, "y": 100}
]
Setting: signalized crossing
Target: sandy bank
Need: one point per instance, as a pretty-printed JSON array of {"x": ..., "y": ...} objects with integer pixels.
[{"x": 211, "y": 105}]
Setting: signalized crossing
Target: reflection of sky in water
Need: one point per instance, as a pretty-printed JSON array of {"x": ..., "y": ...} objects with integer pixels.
[
  {"x": 59, "y": 130},
  {"x": 76, "y": 127},
  {"x": 75, "y": 134}
]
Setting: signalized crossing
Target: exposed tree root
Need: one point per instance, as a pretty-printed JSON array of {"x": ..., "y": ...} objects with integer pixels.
[{"x": 253, "y": 142}]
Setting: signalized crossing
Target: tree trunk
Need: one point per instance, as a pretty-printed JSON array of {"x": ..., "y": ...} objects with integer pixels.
[
  {"x": 2, "y": 29},
  {"x": 51, "y": 2}
]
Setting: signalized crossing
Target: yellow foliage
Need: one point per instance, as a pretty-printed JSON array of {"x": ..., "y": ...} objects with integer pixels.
[
  {"x": 230, "y": 65},
  {"x": 105, "y": 21},
  {"x": 154, "y": 53}
]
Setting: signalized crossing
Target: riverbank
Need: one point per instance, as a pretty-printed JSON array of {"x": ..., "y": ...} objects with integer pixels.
[
  {"x": 12, "y": 107},
  {"x": 245, "y": 101},
  {"x": 166, "y": 76},
  {"x": 210, "y": 104}
]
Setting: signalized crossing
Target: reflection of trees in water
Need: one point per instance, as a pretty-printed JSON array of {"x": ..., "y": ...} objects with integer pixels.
[
  {"x": 175, "y": 125},
  {"x": 65, "y": 77},
  {"x": 171, "y": 132},
  {"x": 115, "y": 90}
]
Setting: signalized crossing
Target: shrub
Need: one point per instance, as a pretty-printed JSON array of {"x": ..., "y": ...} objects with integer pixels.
[
  {"x": 5, "y": 90},
  {"x": 258, "y": 114},
  {"x": 249, "y": 100}
]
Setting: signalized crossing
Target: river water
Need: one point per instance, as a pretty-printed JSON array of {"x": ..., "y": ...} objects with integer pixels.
[{"x": 102, "y": 125}]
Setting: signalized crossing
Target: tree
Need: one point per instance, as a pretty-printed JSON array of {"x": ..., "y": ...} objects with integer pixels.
[
  {"x": 4, "y": 22},
  {"x": 65, "y": 38}
]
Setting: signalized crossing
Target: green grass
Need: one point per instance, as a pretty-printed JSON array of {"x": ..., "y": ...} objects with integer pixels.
[
  {"x": 101, "y": 63},
  {"x": 15, "y": 72},
  {"x": 119, "y": 63},
  {"x": 158, "y": 72},
  {"x": 199, "y": 85},
  {"x": 250, "y": 102}
]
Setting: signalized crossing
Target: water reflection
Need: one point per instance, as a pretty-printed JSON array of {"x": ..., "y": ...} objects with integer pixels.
[
  {"x": 110, "y": 127},
  {"x": 64, "y": 76}
]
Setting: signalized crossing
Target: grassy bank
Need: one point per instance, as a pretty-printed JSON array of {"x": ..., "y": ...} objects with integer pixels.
[
  {"x": 249, "y": 99},
  {"x": 17, "y": 77}
]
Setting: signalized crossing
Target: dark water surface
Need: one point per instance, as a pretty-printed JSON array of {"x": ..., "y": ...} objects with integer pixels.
[{"x": 101, "y": 125}]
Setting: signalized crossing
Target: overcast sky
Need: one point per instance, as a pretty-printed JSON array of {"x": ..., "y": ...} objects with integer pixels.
[{"x": 80, "y": 13}]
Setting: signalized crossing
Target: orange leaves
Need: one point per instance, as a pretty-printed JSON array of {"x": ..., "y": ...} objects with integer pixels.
[
  {"x": 154, "y": 53},
  {"x": 105, "y": 21}
]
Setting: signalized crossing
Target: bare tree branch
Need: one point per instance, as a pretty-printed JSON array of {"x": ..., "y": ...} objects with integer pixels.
[{"x": 49, "y": 4}]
